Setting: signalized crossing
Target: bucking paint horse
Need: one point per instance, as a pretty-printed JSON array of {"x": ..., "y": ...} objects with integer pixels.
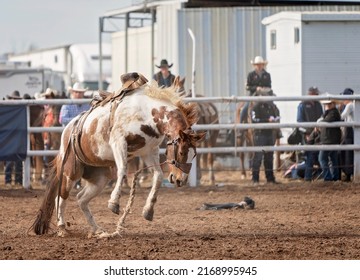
[{"x": 128, "y": 123}]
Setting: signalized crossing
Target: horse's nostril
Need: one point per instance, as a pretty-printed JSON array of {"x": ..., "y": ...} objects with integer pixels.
[{"x": 171, "y": 178}]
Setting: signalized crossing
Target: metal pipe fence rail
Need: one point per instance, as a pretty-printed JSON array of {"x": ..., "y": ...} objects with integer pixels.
[{"x": 235, "y": 149}]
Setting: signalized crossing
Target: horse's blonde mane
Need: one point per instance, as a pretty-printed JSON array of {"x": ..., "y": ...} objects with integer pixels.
[
  {"x": 190, "y": 110},
  {"x": 154, "y": 91}
]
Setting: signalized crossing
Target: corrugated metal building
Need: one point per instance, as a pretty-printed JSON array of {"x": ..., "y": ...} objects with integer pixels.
[{"x": 227, "y": 39}]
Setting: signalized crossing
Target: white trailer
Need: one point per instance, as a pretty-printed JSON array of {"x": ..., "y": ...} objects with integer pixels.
[
  {"x": 27, "y": 81},
  {"x": 75, "y": 63}
]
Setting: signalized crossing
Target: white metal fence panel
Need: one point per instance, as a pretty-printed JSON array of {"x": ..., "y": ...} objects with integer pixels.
[{"x": 355, "y": 124}]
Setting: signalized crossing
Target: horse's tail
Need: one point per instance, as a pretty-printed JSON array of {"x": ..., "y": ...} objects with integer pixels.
[{"x": 41, "y": 224}]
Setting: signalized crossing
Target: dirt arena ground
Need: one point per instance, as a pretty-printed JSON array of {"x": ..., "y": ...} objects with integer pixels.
[{"x": 294, "y": 220}]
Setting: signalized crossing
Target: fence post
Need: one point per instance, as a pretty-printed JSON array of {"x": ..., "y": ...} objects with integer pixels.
[
  {"x": 27, "y": 163},
  {"x": 193, "y": 174},
  {"x": 356, "y": 141}
]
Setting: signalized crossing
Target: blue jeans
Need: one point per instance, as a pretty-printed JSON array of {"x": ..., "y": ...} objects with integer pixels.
[
  {"x": 9, "y": 166},
  {"x": 309, "y": 164},
  {"x": 263, "y": 139},
  {"x": 330, "y": 173}
]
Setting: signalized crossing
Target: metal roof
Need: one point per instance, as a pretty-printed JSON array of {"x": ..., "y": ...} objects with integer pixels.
[
  {"x": 141, "y": 8},
  {"x": 313, "y": 16}
]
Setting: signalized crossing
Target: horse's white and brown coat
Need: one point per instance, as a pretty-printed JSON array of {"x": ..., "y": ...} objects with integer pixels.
[{"x": 139, "y": 125}]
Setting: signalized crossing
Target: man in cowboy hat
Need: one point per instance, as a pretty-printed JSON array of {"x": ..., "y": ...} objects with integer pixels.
[
  {"x": 68, "y": 112},
  {"x": 330, "y": 136},
  {"x": 257, "y": 81},
  {"x": 164, "y": 77}
]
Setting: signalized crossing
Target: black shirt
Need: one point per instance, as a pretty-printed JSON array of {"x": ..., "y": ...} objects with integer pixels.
[
  {"x": 164, "y": 82},
  {"x": 330, "y": 135},
  {"x": 255, "y": 80}
]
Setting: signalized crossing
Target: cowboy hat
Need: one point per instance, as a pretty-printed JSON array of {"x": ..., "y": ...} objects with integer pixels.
[
  {"x": 39, "y": 96},
  {"x": 164, "y": 63},
  {"x": 49, "y": 93},
  {"x": 26, "y": 96},
  {"x": 327, "y": 101},
  {"x": 313, "y": 91},
  {"x": 347, "y": 91},
  {"x": 14, "y": 95},
  {"x": 77, "y": 88},
  {"x": 258, "y": 60}
]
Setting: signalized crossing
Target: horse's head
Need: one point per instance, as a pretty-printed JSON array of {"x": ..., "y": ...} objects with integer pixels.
[
  {"x": 178, "y": 86},
  {"x": 180, "y": 152}
]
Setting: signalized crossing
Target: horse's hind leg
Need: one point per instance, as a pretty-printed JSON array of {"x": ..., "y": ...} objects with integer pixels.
[
  {"x": 67, "y": 185},
  {"x": 95, "y": 181},
  {"x": 210, "y": 164},
  {"x": 242, "y": 165}
]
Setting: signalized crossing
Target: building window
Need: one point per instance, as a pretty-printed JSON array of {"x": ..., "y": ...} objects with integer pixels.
[
  {"x": 55, "y": 58},
  {"x": 296, "y": 35},
  {"x": 273, "y": 39}
]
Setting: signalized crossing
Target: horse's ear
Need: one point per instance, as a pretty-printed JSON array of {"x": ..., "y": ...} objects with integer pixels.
[
  {"x": 198, "y": 136},
  {"x": 182, "y": 134},
  {"x": 176, "y": 80}
]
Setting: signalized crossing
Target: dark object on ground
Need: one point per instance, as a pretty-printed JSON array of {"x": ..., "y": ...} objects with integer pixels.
[{"x": 247, "y": 203}]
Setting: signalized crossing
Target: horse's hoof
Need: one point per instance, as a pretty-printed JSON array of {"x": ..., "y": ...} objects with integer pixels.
[
  {"x": 103, "y": 235},
  {"x": 148, "y": 215},
  {"x": 62, "y": 232},
  {"x": 107, "y": 235},
  {"x": 115, "y": 208}
]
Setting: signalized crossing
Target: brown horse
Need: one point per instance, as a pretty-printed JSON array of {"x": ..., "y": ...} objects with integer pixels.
[
  {"x": 36, "y": 140},
  {"x": 208, "y": 114},
  {"x": 110, "y": 134},
  {"x": 245, "y": 137}
]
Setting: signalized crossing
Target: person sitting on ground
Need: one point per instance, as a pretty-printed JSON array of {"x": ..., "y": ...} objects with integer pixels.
[
  {"x": 330, "y": 136},
  {"x": 164, "y": 78}
]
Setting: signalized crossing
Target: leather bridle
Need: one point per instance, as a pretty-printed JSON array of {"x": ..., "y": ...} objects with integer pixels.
[{"x": 184, "y": 167}]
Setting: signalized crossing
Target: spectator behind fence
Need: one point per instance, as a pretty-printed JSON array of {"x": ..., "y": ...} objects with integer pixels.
[
  {"x": 68, "y": 112},
  {"x": 257, "y": 81},
  {"x": 347, "y": 157},
  {"x": 164, "y": 78},
  {"x": 330, "y": 136},
  {"x": 264, "y": 112},
  {"x": 14, "y": 166},
  {"x": 309, "y": 111}
]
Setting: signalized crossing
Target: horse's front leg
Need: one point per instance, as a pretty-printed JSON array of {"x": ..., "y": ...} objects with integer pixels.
[
  {"x": 119, "y": 148},
  {"x": 153, "y": 160}
]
